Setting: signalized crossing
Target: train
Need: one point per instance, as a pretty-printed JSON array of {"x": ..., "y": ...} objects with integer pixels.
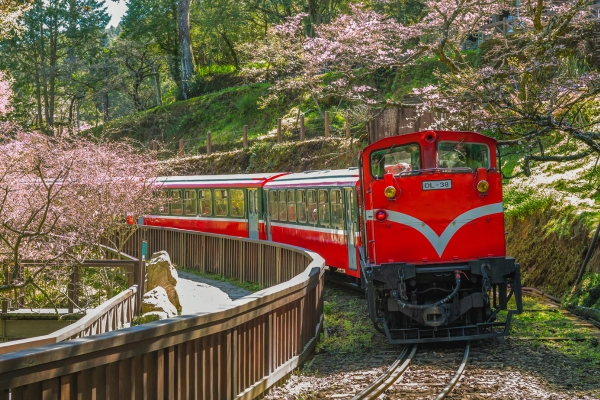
[{"x": 418, "y": 225}]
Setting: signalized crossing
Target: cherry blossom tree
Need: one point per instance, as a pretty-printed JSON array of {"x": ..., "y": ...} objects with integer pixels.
[
  {"x": 535, "y": 87},
  {"x": 59, "y": 197}
]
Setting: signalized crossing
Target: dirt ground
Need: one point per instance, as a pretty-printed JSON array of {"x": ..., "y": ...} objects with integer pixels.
[{"x": 513, "y": 368}]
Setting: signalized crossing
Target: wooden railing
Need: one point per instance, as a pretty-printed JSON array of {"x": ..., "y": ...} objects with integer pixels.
[
  {"x": 109, "y": 316},
  {"x": 237, "y": 351}
]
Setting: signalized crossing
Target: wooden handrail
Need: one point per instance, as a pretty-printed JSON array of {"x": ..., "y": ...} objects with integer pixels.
[
  {"x": 236, "y": 352},
  {"x": 77, "y": 329}
]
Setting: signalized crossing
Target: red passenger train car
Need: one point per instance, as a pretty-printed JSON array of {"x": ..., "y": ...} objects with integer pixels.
[{"x": 419, "y": 225}]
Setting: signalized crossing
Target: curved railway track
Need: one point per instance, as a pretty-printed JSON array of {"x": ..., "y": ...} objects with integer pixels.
[{"x": 397, "y": 369}]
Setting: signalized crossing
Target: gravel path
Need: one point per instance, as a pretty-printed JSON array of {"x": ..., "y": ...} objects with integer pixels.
[{"x": 199, "y": 294}]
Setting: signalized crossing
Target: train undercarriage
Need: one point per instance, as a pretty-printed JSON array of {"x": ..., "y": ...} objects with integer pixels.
[{"x": 445, "y": 302}]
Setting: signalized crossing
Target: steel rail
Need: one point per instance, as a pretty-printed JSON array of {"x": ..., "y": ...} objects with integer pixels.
[
  {"x": 457, "y": 376},
  {"x": 393, "y": 373}
]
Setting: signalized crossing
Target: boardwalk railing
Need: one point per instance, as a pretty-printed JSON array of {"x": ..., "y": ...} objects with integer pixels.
[
  {"x": 236, "y": 352},
  {"x": 111, "y": 315}
]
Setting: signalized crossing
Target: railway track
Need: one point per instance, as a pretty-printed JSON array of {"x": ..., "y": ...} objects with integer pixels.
[{"x": 397, "y": 369}]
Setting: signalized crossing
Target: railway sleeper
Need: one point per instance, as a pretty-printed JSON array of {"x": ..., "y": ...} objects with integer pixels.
[{"x": 414, "y": 304}]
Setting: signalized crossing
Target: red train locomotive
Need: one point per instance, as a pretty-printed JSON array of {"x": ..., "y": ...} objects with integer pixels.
[{"x": 419, "y": 225}]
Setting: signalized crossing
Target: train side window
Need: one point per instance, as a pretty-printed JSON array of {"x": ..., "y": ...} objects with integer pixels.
[
  {"x": 236, "y": 201},
  {"x": 221, "y": 202},
  {"x": 282, "y": 206},
  {"x": 176, "y": 204},
  {"x": 396, "y": 160},
  {"x": 337, "y": 208},
  {"x": 205, "y": 203},
  {"x": 164, "y": 208},
  {"x": 301, "y": 205},
  {"x": 463, "y": 155},
  {"x": 291, "y": 207},
  {"x": 273, "y": 205},
  {"x": 190, "y": 203},
  {"x": 312, "y": 205},
  {"x": 324, "y": 207}
]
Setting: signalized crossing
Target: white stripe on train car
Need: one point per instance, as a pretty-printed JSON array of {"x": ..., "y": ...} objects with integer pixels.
[
  {"x": 309, "y": 228},
  {"x": 439, "y": 243},
  {"x": 194, "y": 218}
]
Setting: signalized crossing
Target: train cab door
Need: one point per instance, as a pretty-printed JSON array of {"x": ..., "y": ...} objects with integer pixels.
[
  {"x": 253, "y": 213},
  {"x": 350, "y": 226}
]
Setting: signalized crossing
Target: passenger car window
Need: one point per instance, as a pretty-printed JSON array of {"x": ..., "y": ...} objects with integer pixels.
[
  {"x": 273, "y": 205},
  {"x": 291, "y": 208},
  {"x": 236, "y": 201},
  {"x": 205, "y": 202},
  {"x": 190, "y": 203},
  {"x": 282, "y": 206},
  {"x": 164, "y": 208},
  {"x": 301, "y": 205},
  {"x": 221, "y": 202},
  {"x": 395, "y": 160},
  {"x": 176, "y": 205},
  {"x": 465, "y": 155},
  {"x": 312, "y": 205},
  {"x": 324, "y": 207},
  {"x": 337, "y": 209}
]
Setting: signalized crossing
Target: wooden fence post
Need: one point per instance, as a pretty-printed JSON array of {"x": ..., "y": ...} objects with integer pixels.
[
  {"x": 504, "y": 27},
  {"x": 208, "y": 143},
  {"x": 278, "y": 130},
  {"x": 154, "y": 146},
  {"x": 326, "y": 123},
  {"x": 348, "y": 131},
  {"x": 302, "y": 133},
  {"x": 73, "y": 290},
  {"x": 180, "y": 147},
  {"x": 140, "y": 275},
  {"x": 245, "y": 136}
]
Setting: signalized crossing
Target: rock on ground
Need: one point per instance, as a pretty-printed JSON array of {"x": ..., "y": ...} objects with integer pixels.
[
  {"x": 160, "y": 272},
  {"x": 158, "y": 300}
]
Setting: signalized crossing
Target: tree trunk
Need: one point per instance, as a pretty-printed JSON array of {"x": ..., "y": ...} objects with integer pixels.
[
  {"x": 105, "y": 96},
  {"x": 231, "y": 48},
  {"x": 185, "y": 44}
]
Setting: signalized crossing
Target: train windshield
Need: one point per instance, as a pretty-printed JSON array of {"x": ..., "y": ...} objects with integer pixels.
[
  {"x": 396, "y": 159},
  {"x": 463, "y": 155}
]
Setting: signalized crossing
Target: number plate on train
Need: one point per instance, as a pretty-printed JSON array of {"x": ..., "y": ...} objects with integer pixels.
[{"x": 437, "y": 185}]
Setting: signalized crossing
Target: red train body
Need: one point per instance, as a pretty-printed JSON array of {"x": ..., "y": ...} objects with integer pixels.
[{"x": 419, "y": 225}]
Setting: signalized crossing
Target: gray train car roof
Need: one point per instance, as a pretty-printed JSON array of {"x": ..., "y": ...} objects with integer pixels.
[
  {"x": 237, "y": 180},
  {"x": 338, "y": 177}
]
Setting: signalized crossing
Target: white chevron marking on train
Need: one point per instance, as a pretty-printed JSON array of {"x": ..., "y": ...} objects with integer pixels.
[{"x": 439, "y": 243}]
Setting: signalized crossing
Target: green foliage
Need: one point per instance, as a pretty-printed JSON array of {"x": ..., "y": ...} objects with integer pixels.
[
  {"x": 523, "y": 202},
  {"x": 556, "y": 324},
  {"x": 588, "y": 293},
  {"x": 348, "y": 328}
]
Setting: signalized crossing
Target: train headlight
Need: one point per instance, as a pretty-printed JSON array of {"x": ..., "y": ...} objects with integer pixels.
[
  {"x": 381, "y": 215},
  {"x": 483, "y": 186},
  {"x": 390, "y": 192}
]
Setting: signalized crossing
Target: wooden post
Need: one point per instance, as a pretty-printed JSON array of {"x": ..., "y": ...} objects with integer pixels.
[
  {"x": 208, "y": 143},
  {"x": 278, "y": 130},
  {"x": 348, "y": 131},
  {"x": 326, "y": 123},
  {"x": 245, "y": 136},
  {"x": 139, "y": 276},
  {"x": 154, "y": 145},
  {"x": 302, "y": 133},
  {"x": 504, "y": 27},
  {"x": 72, "y": 290},
  {"x": 5, "y": 301},
  {"x": 180, "y": 147}
]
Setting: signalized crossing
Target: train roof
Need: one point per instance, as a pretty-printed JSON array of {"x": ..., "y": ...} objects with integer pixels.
[
  {"x": 238, "y": 180},
  {"x": 338, "y": 177}
]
